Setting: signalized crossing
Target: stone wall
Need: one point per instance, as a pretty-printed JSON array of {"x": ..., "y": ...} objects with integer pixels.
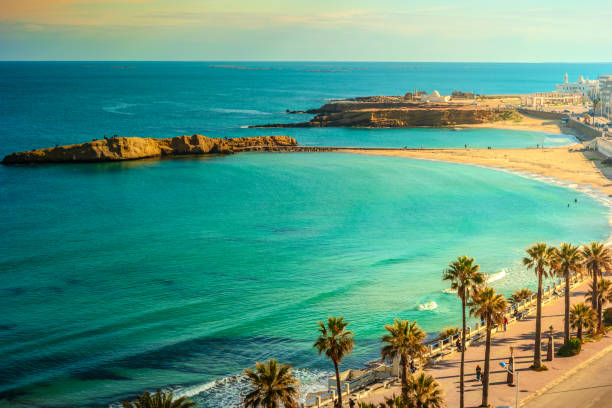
[
  {"x": 585, "y": 131},
  {"x": 543, "y": 115}
]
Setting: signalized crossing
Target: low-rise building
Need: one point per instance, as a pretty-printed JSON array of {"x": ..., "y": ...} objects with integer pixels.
[
  {"x": 435, "y": 97},
  {"x": 541, "y": 99},
  {"x": 589, "y": 88}
]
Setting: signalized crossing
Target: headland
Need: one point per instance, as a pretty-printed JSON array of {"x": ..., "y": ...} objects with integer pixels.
[
  {"x": 501, "y": 111},
  {"x": 135, "y": 148}
]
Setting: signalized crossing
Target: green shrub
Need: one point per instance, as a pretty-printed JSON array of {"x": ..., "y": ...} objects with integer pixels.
[
  {"x": 608, "y": 317},
  {"x": 572, "y": 348}
]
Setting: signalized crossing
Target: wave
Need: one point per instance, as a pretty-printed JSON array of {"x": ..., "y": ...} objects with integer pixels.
[
  {"x": 497, "y": 276},
  {"x": 228, "y": 391},
  {"x": 449, "y": 291},
  {"x": 431, "y": 305},
  {"x": 118, "y": 108}
]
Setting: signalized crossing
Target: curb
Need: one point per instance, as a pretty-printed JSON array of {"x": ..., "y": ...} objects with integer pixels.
[{"x": 565, "y": 376}]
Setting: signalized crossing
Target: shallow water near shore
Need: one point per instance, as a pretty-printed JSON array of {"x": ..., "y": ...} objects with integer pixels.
[{"x": 121, "y": 277}]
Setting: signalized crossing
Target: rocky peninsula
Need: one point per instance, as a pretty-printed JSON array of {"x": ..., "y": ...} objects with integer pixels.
[
  {"x": 135, "y": 148},
  {"x": 399, "y": 112}
]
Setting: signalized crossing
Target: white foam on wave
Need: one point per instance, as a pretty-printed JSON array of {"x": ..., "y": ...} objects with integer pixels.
[
  {"x": 118, "y": 108},
  {"x": 449, "y": 291},
  {"x": 431, "y": 305},
  {"x": 497, "y": 276},
  {"x": 229, "y": 391}
]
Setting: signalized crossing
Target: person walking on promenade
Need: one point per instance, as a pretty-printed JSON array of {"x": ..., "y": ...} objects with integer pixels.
[
  {"x": 459, "y": 345},
  {"x": 351, "y": 403},
  {"x": 505, "y": 323},
  {"x": 478, "y": 372}
]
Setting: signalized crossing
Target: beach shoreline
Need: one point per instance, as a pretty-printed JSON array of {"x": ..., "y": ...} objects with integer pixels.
[{"x": 572, "y": 165}]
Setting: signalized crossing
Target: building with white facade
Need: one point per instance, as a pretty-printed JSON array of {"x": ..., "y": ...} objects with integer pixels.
[
  {"x": 541, "y": 99},
  {"x": 589, "y": 88},
  {"x": 435, "y": 97},
  {"x": 605, "y": 95}
]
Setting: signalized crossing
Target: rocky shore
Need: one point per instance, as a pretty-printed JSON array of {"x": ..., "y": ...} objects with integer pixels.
[
  {"x": 379, "y": 112},
  {"x": 134, "y": 148}
]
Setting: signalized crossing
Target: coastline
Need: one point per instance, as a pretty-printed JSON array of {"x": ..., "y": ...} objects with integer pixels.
[
  {"x": 572, "y": 164},
  {"x": 526, "y": 123}
]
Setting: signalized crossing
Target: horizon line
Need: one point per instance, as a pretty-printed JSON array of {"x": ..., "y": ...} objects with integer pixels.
[{"x": 306, "y": 61}]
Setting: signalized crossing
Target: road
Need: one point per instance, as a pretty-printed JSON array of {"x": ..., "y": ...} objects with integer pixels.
[{"x": 589, "y": 388}]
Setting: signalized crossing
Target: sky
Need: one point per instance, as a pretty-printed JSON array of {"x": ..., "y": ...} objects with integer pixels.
[{"x": 309, "y": 30}]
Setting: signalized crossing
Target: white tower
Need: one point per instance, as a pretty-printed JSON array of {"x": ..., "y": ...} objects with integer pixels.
[{"x": 565, "y": 78}]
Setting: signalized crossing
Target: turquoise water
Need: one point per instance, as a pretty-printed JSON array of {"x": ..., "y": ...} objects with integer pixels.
[
  {"x": 118, "y": 278},
  {"x": 129, "y": 276},
  {"x": 48, "y": 103}
]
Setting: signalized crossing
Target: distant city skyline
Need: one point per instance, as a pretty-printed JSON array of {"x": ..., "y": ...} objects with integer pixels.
[{"x": 274, "y": 30}]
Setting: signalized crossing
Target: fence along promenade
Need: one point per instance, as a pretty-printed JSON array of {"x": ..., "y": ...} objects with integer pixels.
[{"x": 381, "y": 375}]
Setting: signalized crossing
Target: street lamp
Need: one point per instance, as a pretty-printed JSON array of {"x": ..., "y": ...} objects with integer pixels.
[{"x": 509, "y": 369}]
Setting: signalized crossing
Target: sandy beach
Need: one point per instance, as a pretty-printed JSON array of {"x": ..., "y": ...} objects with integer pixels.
[
  {"x": 571, "y": 164},
  {"x": 526, "y": 123}
]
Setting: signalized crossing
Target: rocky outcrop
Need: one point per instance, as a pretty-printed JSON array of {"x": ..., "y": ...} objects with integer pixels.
[
  {"x": 402, "y": 117},
  {"x": 134, "y": 148}
]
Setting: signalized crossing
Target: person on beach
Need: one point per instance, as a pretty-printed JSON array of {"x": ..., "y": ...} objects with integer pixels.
[
  {"x": 478, "y": 372},
  {"x": 351, "y": 403},
  {"x": 458, "y": 345},
  {"x": 412, "y": 367},
  {"x": 505, "y": 323}
]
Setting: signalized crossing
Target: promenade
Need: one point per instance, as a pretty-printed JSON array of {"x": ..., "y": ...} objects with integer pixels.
[{"x": 519, "y": 335}]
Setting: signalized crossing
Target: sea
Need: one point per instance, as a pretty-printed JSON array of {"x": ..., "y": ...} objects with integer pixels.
[{"x": 118, "y": 278}]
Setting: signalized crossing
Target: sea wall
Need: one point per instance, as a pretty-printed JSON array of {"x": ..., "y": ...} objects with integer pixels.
[
  {"x": 543, "y": 115},
  {"x": 585, "y": 131},
  {"x": 134, "y": 148},
  {"x": 604, "y": 146}
]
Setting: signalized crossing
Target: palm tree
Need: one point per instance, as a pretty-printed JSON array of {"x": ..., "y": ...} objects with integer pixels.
[
  {"x": 161, "y": 399},
  {"x": 404, "y": 339},
  {"x": 273, "y": 386},
  {"x": 603, "y": 295},
  {"x": 489, "y": 306},
  {"x": 519, "y": 295},
  {"x": 566, "y": 261},
  {"x": 538, "y": 258},
  {"x": 448, "y": 332},
  {"x": 465, "y": 278},
  {"x": 581, "y": 316},
  {"x": 597, "y": 259},
  {"x": 424, "y": 392},
  {"x": 336, "y": 342}
]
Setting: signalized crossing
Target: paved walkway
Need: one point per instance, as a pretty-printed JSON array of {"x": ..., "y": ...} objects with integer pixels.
[
  {"x": 520, "y": 335},
  {"x": 590, "y": 387}
]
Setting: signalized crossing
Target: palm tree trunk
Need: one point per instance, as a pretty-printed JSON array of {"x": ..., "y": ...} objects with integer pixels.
[
  {"x": 461, "y": 374},
  {"x": 537, "y": 355},
  {"x": 404, "y": 364},
  {"x": 594, "y": 300},
  {"x": 600, "y": 327},
  {"x": 580, "y": 333},
  {"x": 338, "y": 389},
  {"x": 485, "y": 382},
  {"x": 566, "y": 326}
]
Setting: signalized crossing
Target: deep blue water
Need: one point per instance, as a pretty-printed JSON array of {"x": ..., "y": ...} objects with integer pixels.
[{"x": 121, "y": 277}]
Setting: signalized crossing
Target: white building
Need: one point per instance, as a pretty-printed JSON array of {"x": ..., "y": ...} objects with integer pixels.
[
  {"x": 435, "y": 97},
  {"x": 605, "y": 95},
  {"x": 556, "y": 98},
  {"x": 589, "y": 88}
]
